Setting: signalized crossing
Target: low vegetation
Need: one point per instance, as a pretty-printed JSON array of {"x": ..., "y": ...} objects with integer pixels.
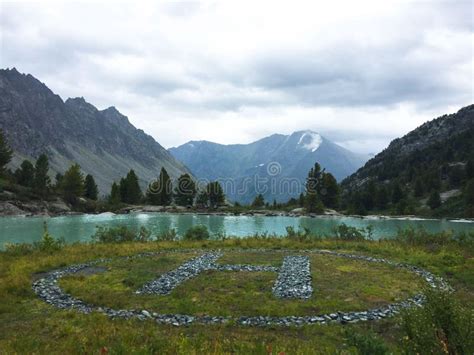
[{"x": 444, "y": 325}]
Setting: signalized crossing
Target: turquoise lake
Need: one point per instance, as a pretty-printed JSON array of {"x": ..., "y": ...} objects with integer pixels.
[{"x": 81, "y": 227}]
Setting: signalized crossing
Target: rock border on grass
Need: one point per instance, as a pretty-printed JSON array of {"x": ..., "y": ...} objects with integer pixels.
[{"x": 48, "y": 290}]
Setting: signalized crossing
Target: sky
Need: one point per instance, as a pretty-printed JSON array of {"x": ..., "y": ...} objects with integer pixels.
[{"x": 360, "y": 73}]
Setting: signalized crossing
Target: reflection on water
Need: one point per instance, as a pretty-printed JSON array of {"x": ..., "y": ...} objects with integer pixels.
[{"x": 80, "y": 228}]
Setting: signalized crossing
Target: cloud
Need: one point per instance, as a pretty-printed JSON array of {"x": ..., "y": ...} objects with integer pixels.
[{"x": 361, "y": 73}]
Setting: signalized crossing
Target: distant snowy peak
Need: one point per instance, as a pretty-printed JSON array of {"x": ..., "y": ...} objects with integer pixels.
[{"x": 310, "y": 141}]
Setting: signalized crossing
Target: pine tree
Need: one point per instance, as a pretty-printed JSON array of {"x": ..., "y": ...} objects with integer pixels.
[
  {"x": 59, "y": 179},
  {"x": 301, "y": 200},
  {"x": 215, "y": 194},
  {"x": 329, "y": 190},
  {"x": 42, "y": 180},
  {"x": 5, "y": 153},
  {"x": 469, "y": 169},
  {"x": 185, "y": 192},
  {"x": 72, "y": 184},
  {"x": 25, "y": 174},
  {"x": 397, "y": 193},
  {"x": 90, "y": 188},
  {"x": 202, "y": 198},
  {"x": 313, "y": 188},
  {"x": 160, "y": 192},
  {"x": 130, "y": 191},
  {"x": 434, "y": 201},
  {"x": 259, "y": 201},
  {"x": 114, "y": 197},
  {"x": 418, "y": 190},
  {"x": 381, "y": 197},
  {"x": 468, "y": 193}
]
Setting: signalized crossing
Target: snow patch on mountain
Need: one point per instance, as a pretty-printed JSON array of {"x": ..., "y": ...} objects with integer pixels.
[{"x": 310, "y": 141}]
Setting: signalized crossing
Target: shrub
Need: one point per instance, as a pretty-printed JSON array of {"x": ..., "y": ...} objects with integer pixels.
[
  {"x": 421, "y": 237},
  {"x": 441, "y": 326},
  {"x": 345, "y": 232},
  {"x": 48, "y": 243},
  {"x": 120, "y": 234},
  {"x": 366, "y": 344},
  {"x": 18, "y": 249},
  {"x": 198, "y": 232},
  {"x": 301, "y": 234},
  {"x": 168, "y": 235}
]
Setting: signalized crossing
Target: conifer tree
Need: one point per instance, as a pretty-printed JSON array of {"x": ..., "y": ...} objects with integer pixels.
[
  {"x": 90, "y": 188},
  {"x": 329, "y": 190},
  {"x": 130, "y": 191},
  {"x": 313, "y": 187},
  {"x": 397, "y": 193},
  {"x": 72, "y": 184},
  {"x": 259, "y": 201},
  {"x": 115, "y": 197},
  {"x": 25, "y": 174},
  {"x": 418, "y": 189},
  {"x": 202, "y": 198},
  {"x": 185, "y": 192},
  {"x": 160, "y": 192},
  {"x": 381, "y": 197},
  {"x": 434, "y": 201},
  {"x": 470, "y": 169},
  {"x": 301, "y": 200},
  {"x": 215, "y": 194},
  {"x": 42, "y": 180},
  {"x": 5, "y": 153}
]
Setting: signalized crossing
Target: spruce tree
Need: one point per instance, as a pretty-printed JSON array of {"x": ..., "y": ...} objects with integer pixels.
[
  {"x": 185, "y": 192},
  {"x": 130, "y": 191},
  {"x": 397, "y": 193},
  {"x": 468, "y": 193},
  {"x": 418, "y": 189},
  {"x": 313, "y": 187},
  {"x": 72, "y": 184},
  {"x": 42, "y": 180},
  {"x": 202, "y": 198},
  {"x": 90, "y": 188},
  {"x": 215, "y": 194},
  {"x": 434, "y": 201},
  {"x": 114, "y": 197},
  {"x": 329, "y": 190},
  {"x": 259, "y": 201},
  {"x": 470, "y": 169},
  {"x": 301, "y": 200},
  {"x": 5, "y": 153},
  {"x": 381, "y": 197},
  {"x": 25, "y": 174}
]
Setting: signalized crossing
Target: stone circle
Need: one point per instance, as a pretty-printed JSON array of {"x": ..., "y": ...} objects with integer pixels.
[{"x": 293, "y": 281}]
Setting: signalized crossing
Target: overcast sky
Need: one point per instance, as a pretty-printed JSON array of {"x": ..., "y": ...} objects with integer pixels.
[{"x": 360, "y": 73}]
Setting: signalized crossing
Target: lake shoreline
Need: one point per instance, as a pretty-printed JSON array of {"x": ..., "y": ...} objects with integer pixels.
[{"x": 58, "y": 208}]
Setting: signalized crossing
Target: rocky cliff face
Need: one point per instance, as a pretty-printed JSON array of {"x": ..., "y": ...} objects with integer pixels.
[
  {"x": 104, "y": 143},
  {"x": 283, "y": 161}
]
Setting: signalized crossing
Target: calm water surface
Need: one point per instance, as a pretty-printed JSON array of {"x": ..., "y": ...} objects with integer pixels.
[{"x": 80, "y": 228}]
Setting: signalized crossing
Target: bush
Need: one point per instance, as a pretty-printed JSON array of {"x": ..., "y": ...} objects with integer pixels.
[
  {"x": 345, "y": 232},
  {"x": 301, "y": 234},
  {"x": 366, "y": 344},
  {"x": 421, "y": 237},
  {"x": 48, "y": 243},
  {"x": 198, "y": 232},
  {"x": 120, "y": 234},
  {"x": 168, "y": 235},
  {"x": 18, "y": 249},
  {"x": 441, "y": 326}
]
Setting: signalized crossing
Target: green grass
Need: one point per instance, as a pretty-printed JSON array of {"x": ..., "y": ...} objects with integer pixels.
[
  {"x": 28, "y": 325},
  {"x": 339, "y": 285}
]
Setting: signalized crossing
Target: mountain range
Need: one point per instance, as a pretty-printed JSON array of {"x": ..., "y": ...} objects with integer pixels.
[
  {"x": 437, "y": 157},
  {"x": 275, "y": 166},
  {"x": 103, "y": 142}
]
